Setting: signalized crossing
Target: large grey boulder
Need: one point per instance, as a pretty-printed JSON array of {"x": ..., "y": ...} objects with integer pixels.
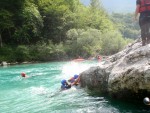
[
  {"x": 95, "y": 79},
  {"x": 125, "y": 74}
]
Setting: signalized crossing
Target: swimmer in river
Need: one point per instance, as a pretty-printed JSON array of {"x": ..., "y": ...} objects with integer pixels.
[
  {"x": 65, "y": 85},
  {"x": 24, "y": 75},
  {"x": 74, "y": 80}
]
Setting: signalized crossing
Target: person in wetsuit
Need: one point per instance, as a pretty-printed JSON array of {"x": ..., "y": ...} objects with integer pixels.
[
  {"x": 143, "y": 7},
  {"x": 65, "y": 85},
  {"x": 74, "y": 80}
]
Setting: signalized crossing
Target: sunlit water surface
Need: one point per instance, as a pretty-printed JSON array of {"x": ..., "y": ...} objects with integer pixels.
[{"x": 40, "y": 92}]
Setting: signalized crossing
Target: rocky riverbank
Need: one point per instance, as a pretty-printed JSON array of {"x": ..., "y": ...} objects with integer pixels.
[
  {"x": 125, "y": 75},
  {"x": 4, "y": 63}
]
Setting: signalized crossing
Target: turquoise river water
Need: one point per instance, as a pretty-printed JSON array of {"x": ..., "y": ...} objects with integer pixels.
[{"x": 40, "y": 92}]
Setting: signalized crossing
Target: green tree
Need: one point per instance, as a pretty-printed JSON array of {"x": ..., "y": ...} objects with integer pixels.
[
  {"x": 5, "y": 23},
  {"x": 112, "y": 42},
  {"x": 22, "y": 53},
  {"x": 54, "y": 21},
  {"x": 52, "y": 29},
  {"x": 126, "y": 25},
  {"x": 32, "y": 23},
  {"x": 83, "y": 43},
  {"x": 95, "y": 4},
  {"x": 9, "y": 11}
]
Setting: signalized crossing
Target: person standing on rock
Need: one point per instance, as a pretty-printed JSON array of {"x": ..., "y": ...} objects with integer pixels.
[{"x": 143, "y": 7}]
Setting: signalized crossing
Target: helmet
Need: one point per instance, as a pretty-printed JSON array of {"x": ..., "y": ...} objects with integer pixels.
[
  {"x": 23, "y": 74},
  {"x": 75, "y": 76},
  {"x": 146, "y": 100},
  {"x": 63, "y": 82}
]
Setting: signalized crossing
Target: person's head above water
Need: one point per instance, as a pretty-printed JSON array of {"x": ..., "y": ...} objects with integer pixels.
[
  {"x": 23, "y": 74},
  {"x": 65, "y": 85},
  {"x": 63, "y": 82},
  {"x": 76, "y": 76}
]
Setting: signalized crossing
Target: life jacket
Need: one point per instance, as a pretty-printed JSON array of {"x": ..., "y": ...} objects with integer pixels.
[{"x": 144, "y": 5}]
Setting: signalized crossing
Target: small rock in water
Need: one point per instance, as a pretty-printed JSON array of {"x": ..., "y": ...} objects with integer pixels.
[{"x": 4, "y": 63}]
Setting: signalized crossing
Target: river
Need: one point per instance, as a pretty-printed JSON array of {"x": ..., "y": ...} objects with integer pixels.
[{"x": 40, "y": 93}]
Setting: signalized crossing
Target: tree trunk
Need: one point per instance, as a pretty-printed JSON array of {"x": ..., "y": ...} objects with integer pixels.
[{"x": 1, "y": 44}]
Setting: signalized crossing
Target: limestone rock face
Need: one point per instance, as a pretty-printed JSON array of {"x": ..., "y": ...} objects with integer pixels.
[
  {"x": 95, "y": 78},
  {"x": 125, "y": 74}
]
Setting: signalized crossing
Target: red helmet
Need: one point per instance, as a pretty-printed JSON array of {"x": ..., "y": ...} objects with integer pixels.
[{"x": 23, "y": 74}]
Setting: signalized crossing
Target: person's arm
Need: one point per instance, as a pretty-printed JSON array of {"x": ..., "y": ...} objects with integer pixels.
[
  {"x": 76, "y": 81},
  {"x": 71, "y": 79},
  {"x": 136, "y": 11}
]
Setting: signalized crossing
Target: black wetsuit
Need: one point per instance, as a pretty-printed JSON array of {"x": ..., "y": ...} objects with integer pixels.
[
  {"x": 144, "y": 22},
  {"x": 65, "y": 86}
]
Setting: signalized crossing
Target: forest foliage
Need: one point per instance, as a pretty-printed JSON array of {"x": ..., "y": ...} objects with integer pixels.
[
  {"x": 128, "y": 27},
  {"x": 46, "y": 30}
]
